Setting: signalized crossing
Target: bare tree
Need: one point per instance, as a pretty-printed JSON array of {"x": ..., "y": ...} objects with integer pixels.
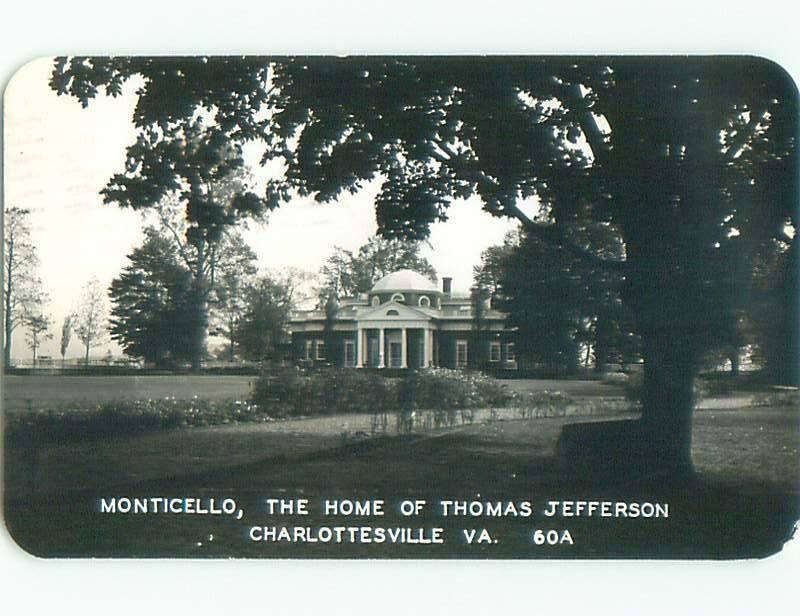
[
  {"x": 66, "y": 335},
  {"x": 22, "y": 288},
  {"x": 90, "y": 317},
  {"x": 37, "y": 326}
]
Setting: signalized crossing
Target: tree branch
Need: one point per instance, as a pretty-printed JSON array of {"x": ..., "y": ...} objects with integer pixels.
[
  {"x": 554, "y": 234},
  {"x": 179, "y": 242}
]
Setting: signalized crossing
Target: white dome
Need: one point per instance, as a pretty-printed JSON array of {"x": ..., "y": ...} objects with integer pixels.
[{"x": 405, "y": 280}]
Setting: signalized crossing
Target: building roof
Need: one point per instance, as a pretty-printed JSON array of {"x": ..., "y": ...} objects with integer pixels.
[{"x": 405, "y": 280}]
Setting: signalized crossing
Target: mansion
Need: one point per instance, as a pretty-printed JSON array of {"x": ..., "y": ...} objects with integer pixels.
[{"x": 404, "y": 321}]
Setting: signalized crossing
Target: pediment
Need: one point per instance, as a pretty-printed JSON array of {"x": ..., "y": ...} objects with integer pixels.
[{"x": 391, "y": 310}]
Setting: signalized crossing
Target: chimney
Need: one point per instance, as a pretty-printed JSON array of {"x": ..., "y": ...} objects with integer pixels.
[{"x": 447, "y": 285}]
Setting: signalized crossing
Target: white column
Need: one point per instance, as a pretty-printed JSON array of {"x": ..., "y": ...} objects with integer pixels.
[
  {"x": 360, "y": 348},
  {"x": 428, "y": 347},
  {"x": 404, "y": 348},
  {"x": 381, "y": 363}
]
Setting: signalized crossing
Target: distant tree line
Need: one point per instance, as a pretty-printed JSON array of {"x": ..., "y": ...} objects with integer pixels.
[{"x": 567, "y": 314}]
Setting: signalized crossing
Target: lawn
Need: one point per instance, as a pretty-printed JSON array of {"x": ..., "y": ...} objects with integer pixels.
[
  {"x": 742, "y": 503},
  {"x": 26, "y": 392}
]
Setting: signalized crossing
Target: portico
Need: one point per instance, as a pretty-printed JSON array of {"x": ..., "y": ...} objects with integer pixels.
[{"x": 394, "y": 336}]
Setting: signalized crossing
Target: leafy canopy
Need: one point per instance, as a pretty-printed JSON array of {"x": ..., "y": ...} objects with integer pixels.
[{"x": 679, "y": 155}]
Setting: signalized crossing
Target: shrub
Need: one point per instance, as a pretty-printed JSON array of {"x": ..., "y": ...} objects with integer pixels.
[
  {"x": 543, "y": 403},
  {"x": 341, "y": 390},
  {"x": 71, "y": 423},
  {"x": 325, "y": 391},
  {"x": 777, "y": 398}
]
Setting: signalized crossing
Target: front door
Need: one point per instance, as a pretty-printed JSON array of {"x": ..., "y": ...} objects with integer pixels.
[{"x": 395, "y": 355}]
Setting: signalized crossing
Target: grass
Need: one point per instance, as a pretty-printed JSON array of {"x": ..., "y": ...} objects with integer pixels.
[
  {"x": 440, "y": 398},
  {"x": 23, "y": 393},
  {"x": 742, "y": 503}
]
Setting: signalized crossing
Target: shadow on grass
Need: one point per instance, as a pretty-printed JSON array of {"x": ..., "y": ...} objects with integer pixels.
[{"x": 514, "y": 462}]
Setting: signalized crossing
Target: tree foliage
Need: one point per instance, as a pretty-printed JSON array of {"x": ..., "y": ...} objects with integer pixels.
[
  {"x": 262, "y": 329},
  {"x": 37, "y": 326},
  {"x": 346, "y": 274},
  {"x": 236, "y": 271},
  {"x": 680, "y": 156},
  {"x": 151, "y": 314},
  {"x": 66, "y": 335},
  {"x": 770, "y": 325},
  {"x": 559, "y": 307}
]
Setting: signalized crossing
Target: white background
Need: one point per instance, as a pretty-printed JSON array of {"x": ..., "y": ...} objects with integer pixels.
[{"x": 28, "y": 585}]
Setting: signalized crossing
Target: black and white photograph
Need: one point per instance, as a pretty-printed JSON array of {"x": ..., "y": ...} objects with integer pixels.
[
  {"x": 401, "y": 307},
  {"x": 355, "y": 307}
]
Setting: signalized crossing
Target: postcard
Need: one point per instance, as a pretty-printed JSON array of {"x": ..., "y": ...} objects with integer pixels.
[{"x": 401, "y": 307}]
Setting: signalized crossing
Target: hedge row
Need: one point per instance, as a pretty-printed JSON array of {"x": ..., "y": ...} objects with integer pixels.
[
  {"x": 71, "y": 423},
  {"x": 338, "y": 391}
]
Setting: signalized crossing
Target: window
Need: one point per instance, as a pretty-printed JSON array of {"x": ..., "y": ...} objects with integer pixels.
[
  {"x": 461, "y": 353},
  {"x": 398, "y": 297},
  {"x": 424, "y": 302},
  {"x": 392, "y": 313},
  {"x": 349, "y": 354},
  {"x": 510, "y": 353},
  {"x": 376, "y": 300},
  {"x": 309, "y": 345},
  {"x": 494, "y": 352},
  {"x": 320, "y": 350}
]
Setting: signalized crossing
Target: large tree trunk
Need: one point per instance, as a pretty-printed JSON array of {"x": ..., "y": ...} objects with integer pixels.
[
  {"x": 198, "y": 311},
  {"x": 232, "y": 336},
  {"x": 198, "y": 329},
  {"x": 659, "y": 443},
  {"x": 667, "y": 403},
  {"x": 7, "y": 346}
]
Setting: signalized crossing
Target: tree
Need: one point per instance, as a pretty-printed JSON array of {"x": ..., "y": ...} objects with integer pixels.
[
  {"x": 268, "y": 304},
  {"x": 346, "y": 274},
  {"x": 771, "y": 323},
  {"x": 66, "y": 336},
  {"x": 679, "y": 155},
  {"x": 37, "y": 326},
  {"x": 90, "y": 317},
  {"x": 489, "y": 272},
  {"x": 560, "y": 308},
  {"x": 191, "y": 163},
  {"x": 235, "y": 271},
  {"x": 22, "y": 288},
  {"x": 151, "y": 315}
]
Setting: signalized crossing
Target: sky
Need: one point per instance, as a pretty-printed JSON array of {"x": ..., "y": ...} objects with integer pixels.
[{"x": 58, "y": 156}]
